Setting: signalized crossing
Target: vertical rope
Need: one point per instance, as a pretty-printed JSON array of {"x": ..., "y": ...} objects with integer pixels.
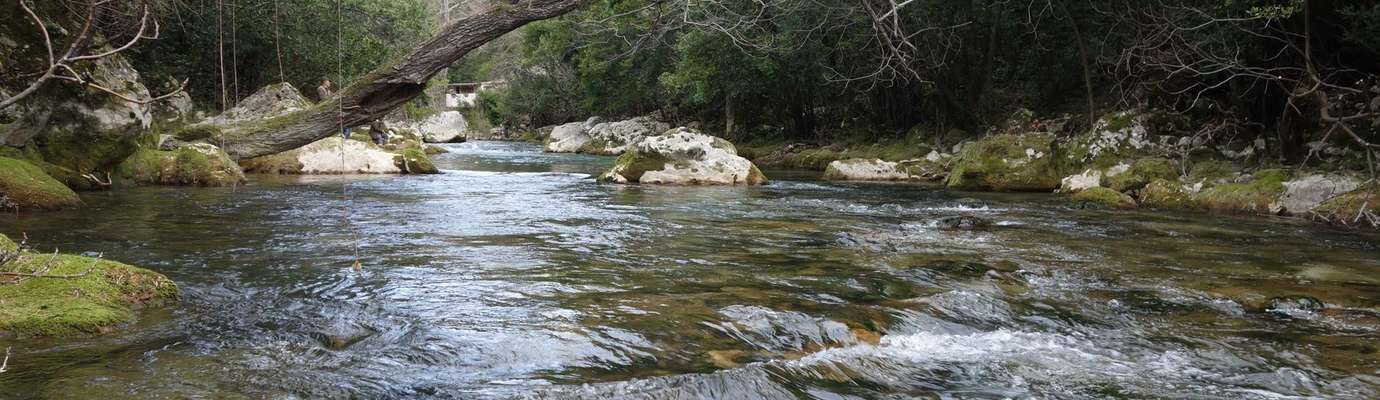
[
  {"x": 340, "y": 118},
  {"x": 234, "y": 54},
  {"x": 277, "y": 47}
]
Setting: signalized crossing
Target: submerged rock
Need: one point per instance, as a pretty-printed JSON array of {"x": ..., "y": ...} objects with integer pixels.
[
  {"x": 77, "y": 295},
  {"x": 1295, "y": 306},
  {"x": 1007, "y": 163},
  {"x": 24, "y": 186},
  {"x": 334, "y": 155},
  {"x": 684, "y": 157},
  {"x": 963, "y": 223},
  {"x": 196, "y": 164}
]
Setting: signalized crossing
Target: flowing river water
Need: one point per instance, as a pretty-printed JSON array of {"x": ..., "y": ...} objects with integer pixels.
[{"x": 515, "y": 275}]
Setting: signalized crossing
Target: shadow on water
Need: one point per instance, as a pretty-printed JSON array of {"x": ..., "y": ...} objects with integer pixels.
[{"x": 514, "y": 274}]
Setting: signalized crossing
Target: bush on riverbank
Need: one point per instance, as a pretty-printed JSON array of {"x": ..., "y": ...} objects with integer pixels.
[{"x": 73, "y": 294}]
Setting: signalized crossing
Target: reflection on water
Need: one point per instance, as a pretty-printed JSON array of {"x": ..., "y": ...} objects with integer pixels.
[{"x": 514, "y": 274}]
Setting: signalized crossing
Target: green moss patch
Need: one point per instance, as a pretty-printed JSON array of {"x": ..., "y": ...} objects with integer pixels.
[
  {"x": 415, "y": 161},
  {"x": 632, "y": 164},
  {"x": 1360, "y": 207},
  {"x": 1104, "y": 197},
  {"x": 95, "y": 295},
  {"x": 1007, "y": 163},
  {"x": 285, "y": 163},
  {"x": 1141, "y": 173},
  {"x": 188, "y": 166},
  {"x": 1257, "y": 196},
  {"x": 25, "y": 186}
]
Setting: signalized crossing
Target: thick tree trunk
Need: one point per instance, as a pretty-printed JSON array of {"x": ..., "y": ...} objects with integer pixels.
[{"x": 388, "y": 87}]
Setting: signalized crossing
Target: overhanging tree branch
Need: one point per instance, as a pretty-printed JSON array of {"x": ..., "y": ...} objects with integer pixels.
[{"x": 389, "y": 86}]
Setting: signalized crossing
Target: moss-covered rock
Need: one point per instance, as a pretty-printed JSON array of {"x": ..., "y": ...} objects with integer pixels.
[
  {"x": 415, "y": 161},
  {"x": 78, "y": 295},
  {"x": 1104, "y": 197},
  {"x": 192, "y": 165},
  {"x": 1166, "y": 194},
  {"x": 1258, "y": 195},
  {"x": 1141, "y": 173},
  {"x": 1360, "y": 207},
  {"x": 26, "y": 187},
  {"x": 1008, "y": 163},
  {"x": 1115, "y": 138}
]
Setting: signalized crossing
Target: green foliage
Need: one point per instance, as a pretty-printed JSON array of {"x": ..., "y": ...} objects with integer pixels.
[{"x": 371, "y": 33}]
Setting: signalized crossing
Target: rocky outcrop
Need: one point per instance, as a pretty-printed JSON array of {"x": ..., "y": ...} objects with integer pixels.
[
  {"x": 443, "y": 127},
  {"x": 607, "y": 138},
  {"x": 73, "y": 129},
  {"x": 1008, "y": 163},
  {"x": 684, "y": 157},
  {"x": 859, "y": 169},
  {"x": 96, "y": 295},
  {"x": 335, "y": 155},
  {"x": 1305, "y": 193},
  {"x": 569, "y": 138},
  {"x": 197, "y": 164},
  {"x": 24, "y": 186},
  {"x": 269, "y": 101}
]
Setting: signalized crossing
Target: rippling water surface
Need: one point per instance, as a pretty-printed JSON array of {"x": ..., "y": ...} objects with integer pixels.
[{"x": 515, "y": 275}]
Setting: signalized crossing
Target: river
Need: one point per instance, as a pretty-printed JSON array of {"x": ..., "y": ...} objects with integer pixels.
[{"x": 515, "y": 275}]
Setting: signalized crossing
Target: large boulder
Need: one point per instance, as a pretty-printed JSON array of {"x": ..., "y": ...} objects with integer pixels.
[
  {"x": 24, "y": 186},
  {"x": 1014, "y": 163},
  {"x": 684, "y": 157},
  {"x": 74, "y": 129},
  {"x": 93, "y": 295},
  {"x": 569, "y": 138},
  {"x": 443, "y": 127},
  {"x": 335, "y": 155},
  {"x": 1303, "y": 194},
  {"x": 607, "y": 138},
  {"x": 197, "y": 164},
  {"x": 268, "y": 102}
]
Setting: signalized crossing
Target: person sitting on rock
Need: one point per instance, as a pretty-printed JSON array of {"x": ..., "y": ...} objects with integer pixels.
[{"x": 378, "y": 132}]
